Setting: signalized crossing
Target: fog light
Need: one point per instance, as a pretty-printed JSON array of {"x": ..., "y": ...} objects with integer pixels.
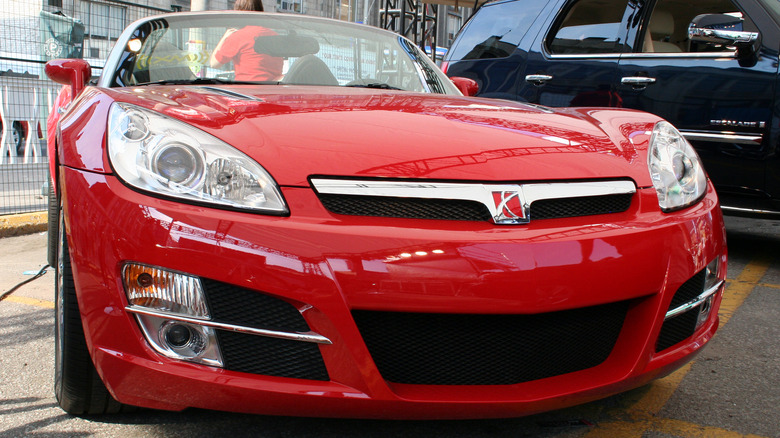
[
  {"x": 177, "y": 335},
  {"x": 180, "y": 340},
  {"x": 711, "y": 280},
  {"x": 704, "y": 312},
  {"x": 169, "y": 306}
]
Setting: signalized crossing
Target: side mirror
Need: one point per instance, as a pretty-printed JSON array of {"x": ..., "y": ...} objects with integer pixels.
[
  {"x": 73, "y": 72},
  {"x": 725, "y": 30},
  {"x": 468, "y": 87}
]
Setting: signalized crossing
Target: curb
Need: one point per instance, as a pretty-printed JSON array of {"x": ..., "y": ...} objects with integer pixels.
[{"x": 23, "y": 223}]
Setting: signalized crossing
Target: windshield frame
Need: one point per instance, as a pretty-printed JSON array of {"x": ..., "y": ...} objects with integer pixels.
[{"x": 121, "y": 58}]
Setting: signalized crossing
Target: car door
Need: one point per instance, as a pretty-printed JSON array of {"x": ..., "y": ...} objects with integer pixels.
[
  {"x": 721, "y": 100},
  {"x": 491, "y": 48},
  {"x": 575, "y": 62}
]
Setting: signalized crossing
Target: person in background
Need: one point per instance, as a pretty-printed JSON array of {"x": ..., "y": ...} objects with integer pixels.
[{"x": 237, "y": 45}]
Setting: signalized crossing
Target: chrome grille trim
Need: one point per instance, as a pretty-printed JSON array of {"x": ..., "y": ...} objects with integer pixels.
[
  {"x": 312, "y": 337},
  {"x": 694, "y": 302},
  {"x": 493, "y": 196}
]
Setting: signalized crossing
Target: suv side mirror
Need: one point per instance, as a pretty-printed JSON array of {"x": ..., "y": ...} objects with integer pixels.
[
  {"x": 468, "y": 87},
  {"x": 73, "y": 72},
  {"x": 726, "y": 30}
]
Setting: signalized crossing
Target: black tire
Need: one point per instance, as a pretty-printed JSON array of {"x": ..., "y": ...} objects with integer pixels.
[
  {"x": 54, "y": 226},
  {"x": 77, "y": 386}
]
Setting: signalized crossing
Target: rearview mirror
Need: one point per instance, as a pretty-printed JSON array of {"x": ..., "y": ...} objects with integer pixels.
[
  {"x": 725, "y": 30},
  {"x": 73, "y": 72},
  {"x": 468, "y": 87}
]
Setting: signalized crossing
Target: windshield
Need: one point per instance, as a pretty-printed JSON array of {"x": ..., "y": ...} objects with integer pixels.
[{"x": 239, "y": 47}]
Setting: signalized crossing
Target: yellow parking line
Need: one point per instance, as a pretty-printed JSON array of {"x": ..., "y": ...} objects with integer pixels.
[
  {"x": 643, "y": 411},
  {"x": 638, "y": 427},
  {"x": 31, "y": 301}
]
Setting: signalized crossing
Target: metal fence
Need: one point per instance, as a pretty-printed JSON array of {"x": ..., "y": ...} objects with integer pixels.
[{"x": 31, "y": 33}]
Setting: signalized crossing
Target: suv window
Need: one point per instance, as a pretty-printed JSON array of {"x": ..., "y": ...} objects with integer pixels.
[
  {"x": 497, "y": 31},
  {"x": 589, "y": 26},
  {"x": 667, "y": 30}
]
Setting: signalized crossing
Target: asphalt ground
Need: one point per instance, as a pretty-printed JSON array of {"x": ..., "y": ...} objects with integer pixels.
[{"x": 732, "y": 389}]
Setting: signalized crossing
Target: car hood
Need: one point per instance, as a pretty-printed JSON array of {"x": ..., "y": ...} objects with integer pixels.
[{"x": 296, "y": 132}]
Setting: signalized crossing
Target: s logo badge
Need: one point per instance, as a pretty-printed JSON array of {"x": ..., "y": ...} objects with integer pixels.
[{"x": 509, "y": 207}]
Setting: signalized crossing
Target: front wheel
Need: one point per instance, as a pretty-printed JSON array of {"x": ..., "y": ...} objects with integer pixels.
[{"x": 77, "y": 386}]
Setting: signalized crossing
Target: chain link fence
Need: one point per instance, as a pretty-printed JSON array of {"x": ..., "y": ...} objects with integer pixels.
[{"x": 31, "y": 33}]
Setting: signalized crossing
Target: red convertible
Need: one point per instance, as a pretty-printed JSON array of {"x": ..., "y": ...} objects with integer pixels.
[{"x": 351, "y": 236}]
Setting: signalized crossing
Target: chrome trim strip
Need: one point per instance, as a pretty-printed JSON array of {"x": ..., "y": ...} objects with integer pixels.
[
  {"x": 723, "y": 137},
  {"x": 629, "y": 55},
  {"x": 311, "y": 337},
  {"x": 694, "y": 302},
  {"x": 585, "y": 56},
  {"x": 700, "y": 55},
  {"x": 485, "y": 194},
  {"x": 750, "y": 210}
]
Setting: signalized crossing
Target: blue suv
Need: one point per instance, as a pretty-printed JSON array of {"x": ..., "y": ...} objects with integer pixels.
[{"x": 708, "y": 66}]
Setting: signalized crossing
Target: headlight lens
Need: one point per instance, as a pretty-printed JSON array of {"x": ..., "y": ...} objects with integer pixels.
[
  {"x": 675, "y": 168},
  {"x": 159, "y": 154}
]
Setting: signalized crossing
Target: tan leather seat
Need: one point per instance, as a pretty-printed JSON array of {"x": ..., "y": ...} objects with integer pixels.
[{"x": 660, "y": 29}]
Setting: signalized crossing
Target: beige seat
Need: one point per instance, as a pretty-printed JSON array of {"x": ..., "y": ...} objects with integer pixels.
[{"x": 660, "y": 30}]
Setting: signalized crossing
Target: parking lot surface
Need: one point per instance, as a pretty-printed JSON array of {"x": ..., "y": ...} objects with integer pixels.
[{"x": 729, "y": 390}]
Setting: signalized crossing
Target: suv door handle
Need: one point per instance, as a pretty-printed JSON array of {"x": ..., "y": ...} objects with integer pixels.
[
  {"x": 637, "y": 81},
  {"x": 537, "y": 80}
]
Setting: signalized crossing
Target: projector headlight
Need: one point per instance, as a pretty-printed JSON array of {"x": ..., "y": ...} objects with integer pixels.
[
  {"x": 675, "y": 168},
  {"x": 159, "y": 154}
]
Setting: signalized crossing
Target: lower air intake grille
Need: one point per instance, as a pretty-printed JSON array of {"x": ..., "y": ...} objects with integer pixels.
[
  {"x": 447, "y": 349},
  {"x": 271, "y": 357},
  {"x": 677, "y": 329},
  {"x": 257, "y": 354}
]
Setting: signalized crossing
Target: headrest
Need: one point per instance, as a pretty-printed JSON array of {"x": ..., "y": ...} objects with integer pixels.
[{"x": 661, "y": 24}]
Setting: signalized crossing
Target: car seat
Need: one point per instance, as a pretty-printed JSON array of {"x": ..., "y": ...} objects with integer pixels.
[
  {"x": 310, "y": 70},
  {"x": 659, "y": 33}
]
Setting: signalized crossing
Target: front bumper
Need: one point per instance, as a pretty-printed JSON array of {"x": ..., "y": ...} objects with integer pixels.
[{"x": 332, "y": 268}]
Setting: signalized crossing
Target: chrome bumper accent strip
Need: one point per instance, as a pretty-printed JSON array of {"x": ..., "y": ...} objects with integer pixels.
[
  {"x": 493, "y": 196},
  {"x": 723, "y": 137},
  {"x": 694, "y": 302},
  {"x": 311, "y": 337}
]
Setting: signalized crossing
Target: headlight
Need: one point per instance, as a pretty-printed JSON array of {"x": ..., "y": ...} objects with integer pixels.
[
  {"x": 675, "y": 168},
  {"x": 159, "y": 154}
]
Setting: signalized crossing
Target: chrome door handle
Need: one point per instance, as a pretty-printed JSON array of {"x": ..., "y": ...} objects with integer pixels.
[
  {"x": 537, "y": 79},
  {"x": 637, "y": 81}
]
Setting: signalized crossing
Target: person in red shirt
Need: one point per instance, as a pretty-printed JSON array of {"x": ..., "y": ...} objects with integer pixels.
[{"x": 237, "y": 45}]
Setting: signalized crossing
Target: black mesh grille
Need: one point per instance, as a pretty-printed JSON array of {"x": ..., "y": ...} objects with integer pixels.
[
  {"x": 689, "y": 290},
  {"x": 446, "y": 209},
  {"x": 585, "y": 206},
  {"x": 256, "y": 354},
  {"x": 409, "y": 208},
  {"x": 681, "y": 327},
  {"x": 234, "y": 305},
  {"x": 447, "y": 349},
  {"x": 271, "y": 357},
  {"x": 677, "y": 329}
]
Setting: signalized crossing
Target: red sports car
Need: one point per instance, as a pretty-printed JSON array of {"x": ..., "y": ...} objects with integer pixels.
[{"x": 350, "y": 236}]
